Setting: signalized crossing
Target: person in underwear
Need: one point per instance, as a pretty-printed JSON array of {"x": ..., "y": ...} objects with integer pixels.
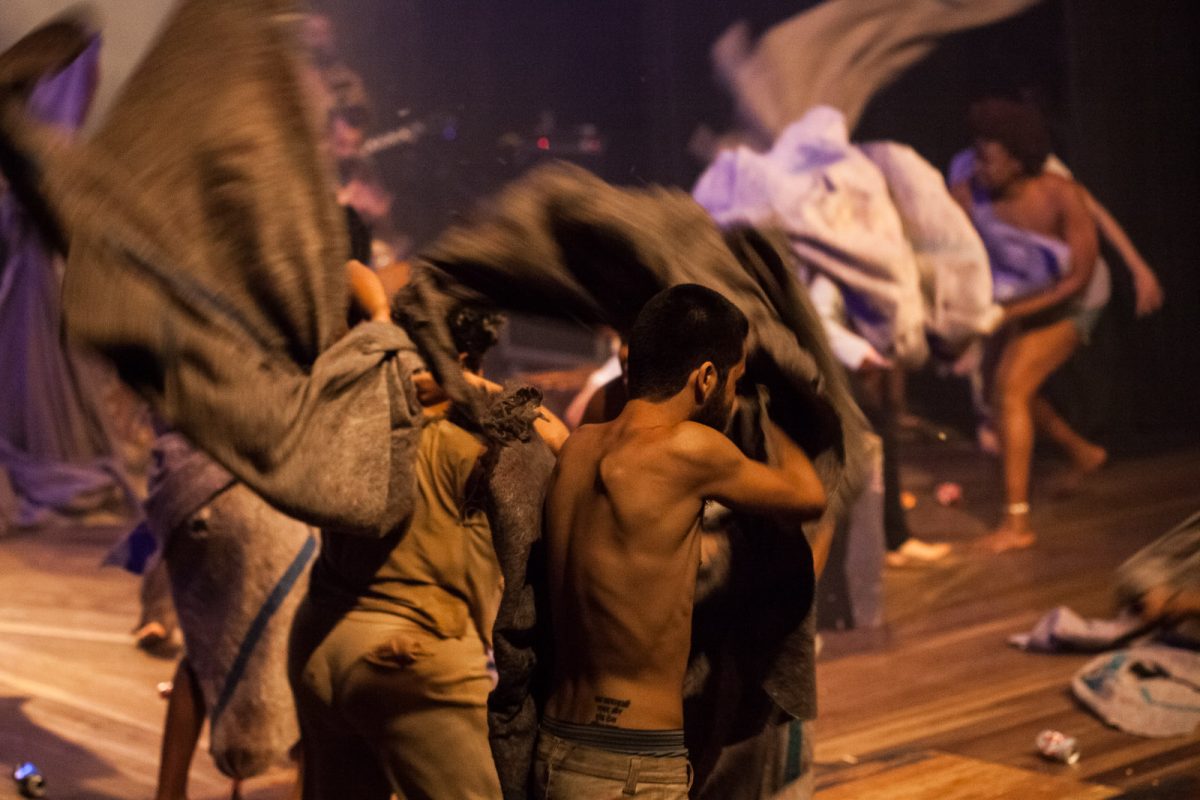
[
  {"x": 1042, "y": 242},
  {"x": 623, "y": 548}
]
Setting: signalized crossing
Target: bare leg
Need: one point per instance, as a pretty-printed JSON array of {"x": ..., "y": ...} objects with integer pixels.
[
  {"x": 185, "y": 717},
  {"x": 1028, "y": 360},
  {"x": 1086, "y": 456}
]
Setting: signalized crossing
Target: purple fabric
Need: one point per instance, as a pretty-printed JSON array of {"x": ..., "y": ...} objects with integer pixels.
[{"x": 53, "y": 443}]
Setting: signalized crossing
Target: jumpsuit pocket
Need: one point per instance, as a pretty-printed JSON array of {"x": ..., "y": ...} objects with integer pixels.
[{"x": 400, "y": 651}]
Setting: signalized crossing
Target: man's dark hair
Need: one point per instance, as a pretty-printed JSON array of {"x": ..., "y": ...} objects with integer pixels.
[
  {"x": 677, "y": 331},
  {"x": 475, "y": 329},
  {"x": 1018, "y": 127}
]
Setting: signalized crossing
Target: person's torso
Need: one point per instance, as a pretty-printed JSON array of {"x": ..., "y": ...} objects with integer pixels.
[
  {"x": 1032, "y": 207},
  {"x": 623, "y": 552}
]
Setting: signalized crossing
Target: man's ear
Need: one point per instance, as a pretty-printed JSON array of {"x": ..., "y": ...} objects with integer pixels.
[{"x": 705, "y": 381}]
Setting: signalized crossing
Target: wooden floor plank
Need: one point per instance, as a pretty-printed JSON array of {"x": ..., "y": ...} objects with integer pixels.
[{"x": 936, "y": 776}]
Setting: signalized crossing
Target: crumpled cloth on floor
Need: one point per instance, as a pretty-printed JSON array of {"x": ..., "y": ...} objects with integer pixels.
[
  {"x": 1148, "y": 690},
  {"x": 1152, "y": 688},
  {"x": 1064, "y": 630}
]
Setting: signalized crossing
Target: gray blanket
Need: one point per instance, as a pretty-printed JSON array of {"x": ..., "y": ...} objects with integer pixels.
[
  {"x": 1172, "y": 560},
  {"x": 839, "y": 53}
]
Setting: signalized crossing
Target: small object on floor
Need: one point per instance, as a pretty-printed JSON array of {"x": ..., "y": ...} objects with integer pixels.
[
  {"x": 948, "y": 493},
  {"x": 30, "y": 782},
  {"x": 988, "y": 440},
  {"x": 1057, "y": 746},
  {"x": 908, "y": 501},
  {"x": 164, "y": 689},
  {"x": 917, "y": 550}
]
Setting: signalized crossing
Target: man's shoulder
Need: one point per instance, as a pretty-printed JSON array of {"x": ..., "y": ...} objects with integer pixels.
[
  {"x": 447, "y": 438},
  {"x": 698, "y": 445}
]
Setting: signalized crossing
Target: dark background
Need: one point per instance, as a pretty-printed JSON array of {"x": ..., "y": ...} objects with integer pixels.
[{"x": 1118, "y": 80}]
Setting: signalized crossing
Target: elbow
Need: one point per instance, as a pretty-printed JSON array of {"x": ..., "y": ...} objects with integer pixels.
[{"x": 811, "y": 503}]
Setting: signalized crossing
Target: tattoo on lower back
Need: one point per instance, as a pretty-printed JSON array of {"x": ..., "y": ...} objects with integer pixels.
[{"x": 608, "y": 709}]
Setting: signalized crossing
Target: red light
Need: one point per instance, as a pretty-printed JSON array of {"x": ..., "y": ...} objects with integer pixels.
[{"x": 543, "y": 143}]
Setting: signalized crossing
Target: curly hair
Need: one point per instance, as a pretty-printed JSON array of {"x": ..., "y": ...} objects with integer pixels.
[
  {"x": 1018, "y": 127},
  {"x": 475, "y": 329}
]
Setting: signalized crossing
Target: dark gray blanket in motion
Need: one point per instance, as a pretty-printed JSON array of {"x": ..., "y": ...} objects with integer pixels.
[
  {"x": 205, "y": 259},
  {"x": 561, "y": 242},
  {"x": 1172, "y": 560}
]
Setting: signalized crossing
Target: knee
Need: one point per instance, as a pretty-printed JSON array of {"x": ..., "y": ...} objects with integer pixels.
[{"x": 1016, "y": 396}]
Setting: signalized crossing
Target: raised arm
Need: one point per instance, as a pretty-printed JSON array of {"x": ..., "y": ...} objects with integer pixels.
[
  {"x": 725, "y": 474},
  {"x": 368, "y": 291},
  {"x": 1079, "y": 232}
]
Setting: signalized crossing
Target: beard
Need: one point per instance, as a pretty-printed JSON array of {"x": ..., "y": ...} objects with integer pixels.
[{"x": 716, "y": 411}]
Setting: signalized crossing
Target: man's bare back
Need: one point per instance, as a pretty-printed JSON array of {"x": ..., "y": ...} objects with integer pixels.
[{"x": 623, "y": 543}]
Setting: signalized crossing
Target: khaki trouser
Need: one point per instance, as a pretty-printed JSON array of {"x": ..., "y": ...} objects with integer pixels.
[
  {"x": 386, "y": 706},
  {"x": 568, "y": 771}
]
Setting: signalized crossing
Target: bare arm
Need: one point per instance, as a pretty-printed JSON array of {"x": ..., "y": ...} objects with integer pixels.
[
  {"x": 552, "y": 429},
  {"x": 1079, "y": 231},
  {"x": 1148, "y": 292},
  {"x": 368, "y": 291},
  {"x": 792, "y": 489}
]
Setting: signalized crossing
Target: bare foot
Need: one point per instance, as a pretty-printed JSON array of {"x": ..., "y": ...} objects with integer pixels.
[
  {"x": 150, "y": 635},
  {"x": 1089, "y": 458},
  {"x": 917, "y": 551},
  {"x": 156, "y": 639},
  {"x": 1085, "y": 461},
  {"x": 1013, "y": 534}
]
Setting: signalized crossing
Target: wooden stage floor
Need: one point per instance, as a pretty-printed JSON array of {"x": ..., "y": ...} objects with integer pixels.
[{"x": 941, "y": 705}]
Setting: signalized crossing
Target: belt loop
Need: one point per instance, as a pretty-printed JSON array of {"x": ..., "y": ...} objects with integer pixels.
[
  {"x": 631, "y": 782},
  {"x": 562, "y": 749},
  {"x": 691, "y": 773}
]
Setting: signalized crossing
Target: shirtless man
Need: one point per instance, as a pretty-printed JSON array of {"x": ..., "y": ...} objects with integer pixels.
[
  {"x": 623, "y": 548},
  {"x": 1045, "y": 328}
]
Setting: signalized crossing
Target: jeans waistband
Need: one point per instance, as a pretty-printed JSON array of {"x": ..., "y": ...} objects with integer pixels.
[{"x": 626, "y": 741}]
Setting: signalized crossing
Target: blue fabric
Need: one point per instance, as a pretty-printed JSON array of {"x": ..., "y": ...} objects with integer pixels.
[{"x": 134, "y": 551}]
